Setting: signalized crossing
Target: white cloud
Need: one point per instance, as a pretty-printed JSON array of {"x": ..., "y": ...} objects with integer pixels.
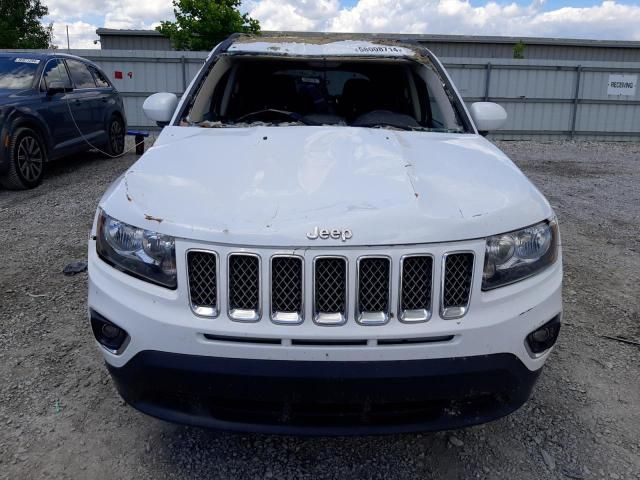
[
  {"x": 142, "y": 14},
  {"x": 83, "y": 21},
  {"x": 138, "y": 11},
  {"x": 81, "y": 35},
  {"x": 293, "y": 14},
  {"x": 608, "y": 20},
  {"x": 66, "y": 9}
]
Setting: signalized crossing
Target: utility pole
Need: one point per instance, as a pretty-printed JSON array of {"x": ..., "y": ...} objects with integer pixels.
[{"x": 68, "y": 47}]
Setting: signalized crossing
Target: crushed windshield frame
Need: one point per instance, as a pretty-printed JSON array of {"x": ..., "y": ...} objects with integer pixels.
[{"x": 424, "y": 58}]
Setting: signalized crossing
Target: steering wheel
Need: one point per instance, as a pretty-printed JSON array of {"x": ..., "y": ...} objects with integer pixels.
[{"x": 270, "y": 112}]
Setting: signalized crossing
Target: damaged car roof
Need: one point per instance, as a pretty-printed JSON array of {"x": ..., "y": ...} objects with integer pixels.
[{"x": 322, "y": 46}]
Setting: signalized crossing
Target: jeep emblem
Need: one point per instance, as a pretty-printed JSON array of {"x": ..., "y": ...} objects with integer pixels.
[{"x": 325, "y": 234}]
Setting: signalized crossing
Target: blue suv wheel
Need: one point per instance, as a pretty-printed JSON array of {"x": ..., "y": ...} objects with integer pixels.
[
  {"x": 27, "y": 157},
  {"x": 116, "y": 132}
]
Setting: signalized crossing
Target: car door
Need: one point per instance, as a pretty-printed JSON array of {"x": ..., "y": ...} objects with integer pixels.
[
  {"x": 55, "y": 108},
  {"x": 85, "y": 101},
  {"x": 106, "y": 98}
]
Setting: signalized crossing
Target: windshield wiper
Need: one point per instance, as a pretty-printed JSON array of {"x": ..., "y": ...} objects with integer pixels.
[
  {"x": 408, "y": 128},
  {"x": 253, "y": 119},
  {"x": 392, "y": 125},
  {"x": 272, "y": 114}
]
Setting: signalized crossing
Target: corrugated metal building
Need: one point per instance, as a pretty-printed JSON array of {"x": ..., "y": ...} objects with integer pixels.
[
  {"x": 535, "y": 48},
  {"x": 113, "y": 39},
  {"x": 449, "y": 46}
]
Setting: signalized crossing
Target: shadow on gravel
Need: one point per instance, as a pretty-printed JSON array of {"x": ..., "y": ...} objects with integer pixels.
[
  {"x": 66, "y": 165},
  {"x": 195, "y": 453},
  {"x": 71, "y": 170},
  {"x": 570, "y": 168}
]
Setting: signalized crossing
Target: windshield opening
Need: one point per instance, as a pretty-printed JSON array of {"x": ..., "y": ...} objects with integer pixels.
[
  {"x": 393, "y": 94},
  {"x": 17, "y": 73}
]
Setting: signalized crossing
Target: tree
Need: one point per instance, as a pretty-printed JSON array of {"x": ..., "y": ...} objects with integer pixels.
[
  {"x": 518, "y": 50},
  {"x": 201, "y": 24},
  {"x": 20, "y": 25}
]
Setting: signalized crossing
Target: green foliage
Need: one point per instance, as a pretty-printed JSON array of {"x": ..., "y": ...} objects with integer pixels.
[
  {"x": 518, "y": 50},
  {"x": 20, "y": 25},
  {"x": 201, "y": 24}
]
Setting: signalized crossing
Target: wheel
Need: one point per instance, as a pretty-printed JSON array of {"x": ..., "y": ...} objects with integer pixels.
[
  {"x": 27, "y": 157},
  {"x": 115, "y": 144}
]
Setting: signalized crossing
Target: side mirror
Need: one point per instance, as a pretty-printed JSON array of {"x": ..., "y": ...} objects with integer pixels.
[
  {"x": 56, "y": 86},
  {"x": 159, "y": 107},
  {"x": 487, "y": 116}
]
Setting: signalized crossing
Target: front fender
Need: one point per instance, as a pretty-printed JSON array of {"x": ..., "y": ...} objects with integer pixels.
[
  {"x": 23, "y": 116},
  {"x": 4, "y": 137},
  {"x": 15, "y": 117}
]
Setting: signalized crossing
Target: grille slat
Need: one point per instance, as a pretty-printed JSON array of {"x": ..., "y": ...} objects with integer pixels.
[
  {"x": 330, "y": 287},
  {"x": 374, "y": 274},
  {"x": 203, "y": 282},
  {"x": 330, "y": 290},
  {"x": 456, "y": 291},
  {"x": 287, "y": 289},
  {"x": 244, "y": 287},
  {"x": 416, "y": 287}
]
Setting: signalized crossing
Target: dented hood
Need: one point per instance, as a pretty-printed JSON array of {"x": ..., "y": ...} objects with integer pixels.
[{"x": 271, "y": 185}]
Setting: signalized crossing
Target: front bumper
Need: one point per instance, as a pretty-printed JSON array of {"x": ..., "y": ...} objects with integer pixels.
[
  {"x": 160, "y": 319},
  {"x": 324, "y": 398},
  {"x": 324, "y": 380}
]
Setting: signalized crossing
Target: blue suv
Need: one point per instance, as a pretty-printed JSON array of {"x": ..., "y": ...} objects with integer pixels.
[{"x": 53, "y": 105}]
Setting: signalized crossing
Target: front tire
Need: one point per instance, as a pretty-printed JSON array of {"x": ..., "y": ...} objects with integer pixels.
[
  {"x": 27, "y": 157},
  {"x": 116, "y": 133}
]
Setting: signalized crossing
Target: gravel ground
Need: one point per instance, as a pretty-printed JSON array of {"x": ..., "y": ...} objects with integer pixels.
[{"x": 60, "y": 416}]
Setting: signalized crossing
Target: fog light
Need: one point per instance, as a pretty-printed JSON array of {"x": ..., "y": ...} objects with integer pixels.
[
  {"x": 110, "y": 331},
  {"x": 541, "y": 336},
  {"x": 544, "y": 337},
  {"x": 108, "y": 334}
]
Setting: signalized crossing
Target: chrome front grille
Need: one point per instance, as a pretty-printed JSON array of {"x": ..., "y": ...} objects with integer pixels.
[
  {"x": 244, "y": 287},
  {"x": 287, "y": 293},
  {"x": 456, "y": 287},
  {"x": 335, "y": 295},
  {"x": 374, "y": 284},
  {"x": 330, "y": 290},
  {"x": 416, "y": 288},
  {"x": 203, "y": 282}
]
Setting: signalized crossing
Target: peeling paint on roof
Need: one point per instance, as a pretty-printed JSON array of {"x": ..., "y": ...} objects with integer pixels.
[{"x": 319, "y": 47}]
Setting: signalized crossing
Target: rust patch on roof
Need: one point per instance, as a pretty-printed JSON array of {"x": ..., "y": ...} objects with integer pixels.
[
  {"x": 325, "y": 38},
  {"x": 420, "y": 53},
  {"x": 153, "y": 219}
]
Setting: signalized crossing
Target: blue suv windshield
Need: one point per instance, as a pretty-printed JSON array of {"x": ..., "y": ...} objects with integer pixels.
[{"x": 16, "y": 73}]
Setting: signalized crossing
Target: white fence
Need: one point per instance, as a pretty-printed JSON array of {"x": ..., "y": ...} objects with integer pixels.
[
  {"x": 553, "y": 99},
  {"x": 544, "y": 98}
]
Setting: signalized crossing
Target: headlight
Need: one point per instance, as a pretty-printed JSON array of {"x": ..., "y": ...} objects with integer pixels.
[
  {"x": 142, "y": 253},
  {"x": 514, "y": 256}
]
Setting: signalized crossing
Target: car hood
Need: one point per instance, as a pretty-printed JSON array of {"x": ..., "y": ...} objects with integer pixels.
[{"x": 271, "y": 185}]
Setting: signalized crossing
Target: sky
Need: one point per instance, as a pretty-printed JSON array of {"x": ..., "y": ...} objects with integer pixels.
[{"x": 609, "y": 19}]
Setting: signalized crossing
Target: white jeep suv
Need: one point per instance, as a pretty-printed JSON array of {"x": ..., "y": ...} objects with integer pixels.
[{"x": 321, "y": 241}]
